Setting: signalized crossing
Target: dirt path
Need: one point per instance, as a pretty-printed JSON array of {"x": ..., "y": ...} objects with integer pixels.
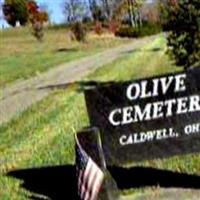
[{"x": 17, "y": 97}]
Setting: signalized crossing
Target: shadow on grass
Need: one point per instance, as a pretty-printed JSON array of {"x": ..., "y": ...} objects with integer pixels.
[
  {"x": 66, "y": 50},
  {"x": 59, "y": 182},
  {"x": 137, "y": 177},
  {"x": 79, "y": 86},
  {"x": 53, "y": 182},
  {"x": 155, "y": 49}
]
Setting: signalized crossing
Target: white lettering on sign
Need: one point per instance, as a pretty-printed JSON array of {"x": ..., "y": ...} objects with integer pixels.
[
  {"x": 155, "y": 110},
  {"x": 149, "y": 136},
  {"x": 147, "y": 89},
  {"x": 159, "y": 109}
]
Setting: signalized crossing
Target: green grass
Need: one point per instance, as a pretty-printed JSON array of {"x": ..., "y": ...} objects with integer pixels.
[
  {"x": 21, "y": 56},
  {"x": 43, "y": 135}
]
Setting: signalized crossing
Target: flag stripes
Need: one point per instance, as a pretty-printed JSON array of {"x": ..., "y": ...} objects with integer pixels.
[{"x": 89, "y": 175}]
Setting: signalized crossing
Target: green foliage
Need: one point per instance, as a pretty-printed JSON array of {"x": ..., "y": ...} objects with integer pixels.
[
  {"x": 149, "y": 29},
  {"x": 79, "y": 31},
  {"x": 145, "y": 30},
  {"x": 14, "y": 11},
  {"x": 164, "y": 15},
  {"x": 126, "y": 31},
  {"x": 184, "y": 37}
]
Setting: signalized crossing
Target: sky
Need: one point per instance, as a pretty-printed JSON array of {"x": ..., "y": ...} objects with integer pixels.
[{"x": 55, "y": 8}]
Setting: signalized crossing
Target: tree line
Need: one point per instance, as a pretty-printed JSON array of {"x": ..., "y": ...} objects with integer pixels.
[{"x": 81, "y": 10}]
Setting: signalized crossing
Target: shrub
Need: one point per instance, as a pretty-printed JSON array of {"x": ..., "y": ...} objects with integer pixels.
[
  {"x": 113, "y": 26},
  {"x": 126, "y": 31},
  {"x": 38, "y": 30},
  {"x": 145, "y": 30},
  {"x": 37, "y": 19},
  {"x": 79, "y": 31},
  {"x": 98, "y": 29},
  {"x": 184, "y": 37},
  {"x": 149, "y": 29}
]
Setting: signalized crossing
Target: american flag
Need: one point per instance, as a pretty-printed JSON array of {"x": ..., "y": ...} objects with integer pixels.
[{"x": 89, "y": 175}]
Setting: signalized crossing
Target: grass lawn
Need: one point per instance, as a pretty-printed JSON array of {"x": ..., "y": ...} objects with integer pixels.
[
  {"x": 21, "y": 56},
  {"x": 43, "y": 135}
]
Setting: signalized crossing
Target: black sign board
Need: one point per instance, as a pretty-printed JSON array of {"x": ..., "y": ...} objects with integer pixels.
[{"x": 149, "y": 118}]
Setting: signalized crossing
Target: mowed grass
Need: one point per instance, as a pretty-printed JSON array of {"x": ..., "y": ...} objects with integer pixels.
[
  {"x": 21, "y": 56},
  {"x": 44, "y": 134}
]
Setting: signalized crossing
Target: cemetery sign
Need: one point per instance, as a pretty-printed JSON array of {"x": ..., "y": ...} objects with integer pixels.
[{"x": 149, "y": 118}]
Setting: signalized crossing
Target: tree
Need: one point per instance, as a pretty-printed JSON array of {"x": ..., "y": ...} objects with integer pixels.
[
  {"x": 164, "y": 14},
  {"x": 107, "y": 9},
  {"x": 133, "y": 9},
  {"x": 74, "y": 10},
  {"x": 129, "y": 8},
  {"x": 184, "y": 37},
  {"x": 149, "y": 13},
  {"x": 102, "y": 10},
  {"x": 96, "y": 10},
  {"x": 15, "y": 11}
]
